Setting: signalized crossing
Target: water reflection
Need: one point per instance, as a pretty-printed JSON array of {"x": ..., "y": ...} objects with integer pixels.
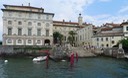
[
  {"x": 2, "y": 70},
  {"x": 100, "y": 67}
]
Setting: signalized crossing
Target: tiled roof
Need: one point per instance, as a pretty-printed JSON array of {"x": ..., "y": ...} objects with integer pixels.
[
  {"x": 63, "y": 25},
  {"x": 124, "y": 23},
  {"x": 109, "y": 34},
  {"x": 112, "y": 24},
  {"x": 21, "y": 6},
  {"x": 106, "y": 29},
  {"x": 65, "y": 22}
]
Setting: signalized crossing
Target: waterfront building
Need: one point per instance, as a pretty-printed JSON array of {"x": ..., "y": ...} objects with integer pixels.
[
  {"x": 125, "y": 28},
  {"x": 65, "y": 27},
  {"x": 110, "y": 34},
  {"x": 84, "y": 35},
  {"x": 27, "y": 25}
]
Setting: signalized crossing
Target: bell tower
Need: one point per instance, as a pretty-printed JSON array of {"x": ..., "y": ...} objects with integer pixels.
[{"x": 80, "y": 20}]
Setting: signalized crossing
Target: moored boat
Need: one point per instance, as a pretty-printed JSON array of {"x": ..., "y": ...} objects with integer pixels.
[{"x": 40, "y": 58}]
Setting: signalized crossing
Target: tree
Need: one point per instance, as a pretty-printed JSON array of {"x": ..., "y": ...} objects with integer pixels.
[
  {"x": 57, "y": 37},
  {"x": 0, "y": 42},
  {"x": 71, "y": 37},
  {"x": 124, "y": 43}
]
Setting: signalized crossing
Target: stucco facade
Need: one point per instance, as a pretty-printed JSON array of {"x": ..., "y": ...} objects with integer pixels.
[
  {"x": 26, "y": 25},
  {"x": 84, "y": 35}
]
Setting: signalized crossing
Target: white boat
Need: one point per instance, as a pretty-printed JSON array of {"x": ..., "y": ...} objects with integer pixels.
[
  {"x": 126, "y": 56},
  {"x": 40, "y": 58}
]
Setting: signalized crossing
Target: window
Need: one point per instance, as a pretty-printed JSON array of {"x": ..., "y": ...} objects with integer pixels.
[
  {"x": 47, "y": 32},
  {"x": 102, "y": 45},
  {"x": 9, "y": 31},
  {"x": 106, "y": 39},
  {"x": 80, "y": 37},
  {"x": 30, "y": 15},
  {"x": 47, "y": 24},
  {"x": 10, "y": 14},
  {"x": 47, "y": 17},
  {"x": 55, "y": 28},
  {"x": 29, "y": 23},
  {"x": 127, "y": 28},
  {"x": 19, "y": 41},
  {"x": 19, "y": 31},
  {"x": 9, "y": 40},
  {"x": 38, "y": 24},
  {"x": 113, "y": 42},
  {"x": 38, "y": 41},
  {"x": 29, "y": 32},
  {"x": 29, "y": 41},
  {"x": 19, "y": 23},
  {"x": 106, "y": 45},
  {"x": 38, "y": 32},
  {"x": 101, "y": 39},
  {"x": 20, "y": 14},
  {"x": 38, "y": 16},
  {"x": 9, "y": 22},
  {"x": 97, "y": 39}
]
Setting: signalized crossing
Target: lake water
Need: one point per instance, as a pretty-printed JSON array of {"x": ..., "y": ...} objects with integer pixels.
[{"x": 98, "y": 67}]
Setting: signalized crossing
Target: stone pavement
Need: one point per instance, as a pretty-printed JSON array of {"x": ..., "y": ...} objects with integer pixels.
[{"x": 82, "y": 52}]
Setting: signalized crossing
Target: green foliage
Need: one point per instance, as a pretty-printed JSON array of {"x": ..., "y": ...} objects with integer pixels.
[
  {"x": 0, "y": 42},
  {"x": 58, "y": 37},
  {"x": 124, "y": 42},
  {"x": 71, "y": 37}
]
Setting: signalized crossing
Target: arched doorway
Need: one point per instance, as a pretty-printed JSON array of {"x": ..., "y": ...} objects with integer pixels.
[{"x": 47, "y": 42}]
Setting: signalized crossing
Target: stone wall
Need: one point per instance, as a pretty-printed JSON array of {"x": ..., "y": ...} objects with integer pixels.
[{"x": 24, "y": 49}]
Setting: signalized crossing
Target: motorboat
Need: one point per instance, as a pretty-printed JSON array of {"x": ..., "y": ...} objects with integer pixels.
[{"x": 40, "y": 58}]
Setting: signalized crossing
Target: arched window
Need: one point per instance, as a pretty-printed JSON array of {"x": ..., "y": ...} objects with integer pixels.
[
  {"x": 106, "y": 45},
  {"x": 38, "y": 41},
  {"x": 9, "y": 40},
  {"x": 38, "y": 24},
  {"x": 47, "y": 25},
  {"x": 102, "y": 45},
  {"x": 19, "y": 41},
  {"x": 9, "y": 22},
  {"x": 19, "y": 23},
  {"x": 113, "y": 42},
  {"x": 29, "y": 41},
  {"x": 29, "y": 23}
]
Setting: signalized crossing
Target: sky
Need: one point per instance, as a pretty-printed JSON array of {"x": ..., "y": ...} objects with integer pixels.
[{"x": 96, "y": 12}]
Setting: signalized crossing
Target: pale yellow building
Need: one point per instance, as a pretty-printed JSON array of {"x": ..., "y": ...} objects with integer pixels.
[{"x": 109, "y": 35}]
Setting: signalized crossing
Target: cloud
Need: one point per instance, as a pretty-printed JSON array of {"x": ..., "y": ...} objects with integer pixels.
[
  {"x": 123, "y": 10},
  {"x": 69, "y": 10},
  {"x": 104, "y": 0},
  {"x": 102, "y": 19},
  {"x": 66, "y": 9}
]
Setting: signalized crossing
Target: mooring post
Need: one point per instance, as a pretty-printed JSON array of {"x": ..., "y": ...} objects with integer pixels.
[
  {"x": 72, "y": 60},
  {"x": 76, "y": 57},
  {"x": 47, "y": 61}
]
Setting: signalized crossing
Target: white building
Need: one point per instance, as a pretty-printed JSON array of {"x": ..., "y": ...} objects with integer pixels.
[
  {"x": 27, "y": 25},
  {"x": 84, "y": 35}
]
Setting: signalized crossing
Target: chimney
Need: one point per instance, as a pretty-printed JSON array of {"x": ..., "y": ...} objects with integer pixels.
[
  {"x": 63, "y": 20},
  {"x": 28, "y": 4},
  {"x": 22, "y": 5}
]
